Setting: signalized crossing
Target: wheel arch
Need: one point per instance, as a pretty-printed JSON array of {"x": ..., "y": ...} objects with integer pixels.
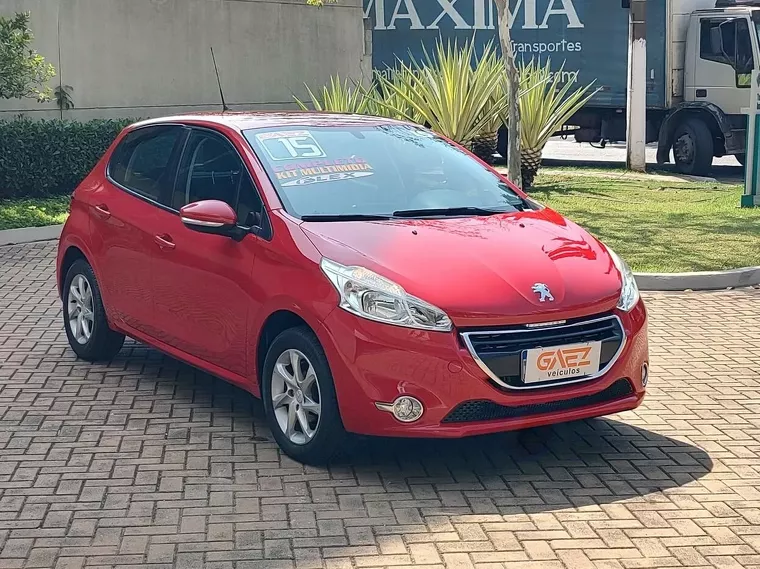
[
  {"x": 276, "y": 323},
  {"x": 72, "y": 254},
  {"x": 712, "y": 115}
]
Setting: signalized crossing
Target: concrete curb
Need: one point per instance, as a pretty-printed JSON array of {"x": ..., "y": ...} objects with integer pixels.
[
  {"x": 713, "y": 280},
  {"x": 30, "y": 235},
  {"x": 748, "y": 276}
]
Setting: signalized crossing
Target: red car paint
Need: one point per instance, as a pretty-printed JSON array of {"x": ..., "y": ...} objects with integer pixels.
[{"x": 206, "y": 298}]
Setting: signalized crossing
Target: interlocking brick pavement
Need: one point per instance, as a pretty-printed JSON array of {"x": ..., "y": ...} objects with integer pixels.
[{"x": 146, "y": 462}]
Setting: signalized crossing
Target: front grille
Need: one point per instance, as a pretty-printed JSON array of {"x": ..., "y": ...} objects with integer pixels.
[
  {"x": 501, "y": 352},
  {"x": 472, "y": 411}
]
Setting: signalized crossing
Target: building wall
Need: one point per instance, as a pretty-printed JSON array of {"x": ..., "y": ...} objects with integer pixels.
[{"x": 147, "y": 58}]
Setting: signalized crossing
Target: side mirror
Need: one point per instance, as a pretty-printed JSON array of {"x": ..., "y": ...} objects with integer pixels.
[{"x": 211, "y": 216}]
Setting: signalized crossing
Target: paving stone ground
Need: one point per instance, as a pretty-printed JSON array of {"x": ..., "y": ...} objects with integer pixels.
[{"x": 146, "y": 462}]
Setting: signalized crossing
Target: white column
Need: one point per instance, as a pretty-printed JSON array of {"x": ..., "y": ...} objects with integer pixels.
[{"x": 636, "y": 119}]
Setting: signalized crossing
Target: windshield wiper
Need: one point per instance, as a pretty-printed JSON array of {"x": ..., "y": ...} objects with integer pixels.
[
  {"x": 447, "y": 211},
  {"x": 345, "y": 217}
]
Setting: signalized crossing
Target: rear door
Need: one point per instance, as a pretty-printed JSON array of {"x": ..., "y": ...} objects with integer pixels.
[{"x": 123, "y": 218}]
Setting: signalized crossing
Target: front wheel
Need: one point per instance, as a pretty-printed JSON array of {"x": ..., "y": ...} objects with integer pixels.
[
  {"x": 84, "y": 316},
  {"x": 693, "y": 147},
  {"x": 299, "y": 398}
]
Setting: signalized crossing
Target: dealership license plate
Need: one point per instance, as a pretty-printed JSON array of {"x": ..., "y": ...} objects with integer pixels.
[{"x": 561, "y": 362}]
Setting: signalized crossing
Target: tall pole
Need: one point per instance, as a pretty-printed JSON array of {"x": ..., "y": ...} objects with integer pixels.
[{"x": 636, "y": 118}]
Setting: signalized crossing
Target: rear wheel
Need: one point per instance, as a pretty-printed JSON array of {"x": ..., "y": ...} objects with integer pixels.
[
  {"x": 693, "y": 147},
  {"x": 299, "y": 398},
  {"x": 84, "y": 317}
]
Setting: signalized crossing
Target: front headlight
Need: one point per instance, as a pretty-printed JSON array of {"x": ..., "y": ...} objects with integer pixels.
[
  {"x": 367, "y": 294},
  {"x": 629, "y": 296}
]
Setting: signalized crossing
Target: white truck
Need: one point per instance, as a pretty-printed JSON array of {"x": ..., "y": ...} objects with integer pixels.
[{"x": 712, "y": 54}]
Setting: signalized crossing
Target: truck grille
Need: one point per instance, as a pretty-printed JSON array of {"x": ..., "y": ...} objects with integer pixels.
[
  {"x": 499, "y": 353},
  {"x": 472, "y": 411}
]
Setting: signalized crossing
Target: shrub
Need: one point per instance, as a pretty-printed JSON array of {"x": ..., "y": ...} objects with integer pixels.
[{"x": 50, "y": 157}]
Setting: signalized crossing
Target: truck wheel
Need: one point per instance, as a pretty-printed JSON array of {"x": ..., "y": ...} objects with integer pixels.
[{"x": 693, "y": 148}]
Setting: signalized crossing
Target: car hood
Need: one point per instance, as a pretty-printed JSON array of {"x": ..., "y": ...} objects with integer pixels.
[{"x": 482, "y": 270}]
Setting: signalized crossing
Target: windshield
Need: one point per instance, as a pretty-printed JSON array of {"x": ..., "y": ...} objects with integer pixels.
[{"x": 377, "y": 170}]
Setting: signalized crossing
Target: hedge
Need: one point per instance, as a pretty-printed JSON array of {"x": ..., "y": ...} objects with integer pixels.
[{"x": 51, "y": 157}]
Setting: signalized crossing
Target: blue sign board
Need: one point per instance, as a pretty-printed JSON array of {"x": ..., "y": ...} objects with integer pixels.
[{"x": 589, "y": 36}]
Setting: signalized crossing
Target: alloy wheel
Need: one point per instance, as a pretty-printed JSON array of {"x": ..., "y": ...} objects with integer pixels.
[
  {"x": 296, "y": 398},
  {"x": 80, "y": 309}
]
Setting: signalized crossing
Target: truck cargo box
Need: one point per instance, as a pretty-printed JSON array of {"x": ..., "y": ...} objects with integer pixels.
[{"x": 590, "y": 37}]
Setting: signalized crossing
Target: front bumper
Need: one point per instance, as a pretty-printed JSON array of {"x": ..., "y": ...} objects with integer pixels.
[{"x": 376, "y": 363}]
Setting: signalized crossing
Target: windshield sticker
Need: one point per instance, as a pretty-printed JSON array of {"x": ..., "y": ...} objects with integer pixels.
[
  {"x": 309, "y": 180},
  {"x": 290, "y": 145},
  {"x": 318, "y": 171}
]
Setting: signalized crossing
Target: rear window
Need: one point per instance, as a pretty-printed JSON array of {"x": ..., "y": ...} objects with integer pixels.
[{"x": 141, "y": 161}]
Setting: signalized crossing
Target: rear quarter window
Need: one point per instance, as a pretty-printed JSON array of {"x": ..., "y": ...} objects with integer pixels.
[{"x": 142, "y": 161}]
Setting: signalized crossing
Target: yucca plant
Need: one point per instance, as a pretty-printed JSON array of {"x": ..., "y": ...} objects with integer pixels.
[
  {"x": 339, "y": 96},
  {"x": 544, "y": 107},
  {"x": 392, "y": 103},
  {"x": 485, "y": 144},
  {"x": 450, "y": 91}
]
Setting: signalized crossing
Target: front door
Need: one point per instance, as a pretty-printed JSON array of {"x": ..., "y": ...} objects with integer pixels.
[
  {"x": 202, "y": 283},
  {"x": 722, "y": 70}
]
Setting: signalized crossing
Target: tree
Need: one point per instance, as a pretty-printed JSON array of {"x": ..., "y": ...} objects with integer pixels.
[
  {"x": 513, "y": 107},
  {"x": 23, "y": 72},
  {"x": 513, "y": 82}
]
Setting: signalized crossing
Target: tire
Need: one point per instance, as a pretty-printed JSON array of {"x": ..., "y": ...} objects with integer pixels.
[
  {"x": 102, "y": 343},
  {"x": 693, "y": 147},
  {"x": 328, "y": 436}
]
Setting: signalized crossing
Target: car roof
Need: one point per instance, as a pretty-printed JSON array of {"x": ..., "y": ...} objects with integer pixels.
[{"x": 270, "y": 119}]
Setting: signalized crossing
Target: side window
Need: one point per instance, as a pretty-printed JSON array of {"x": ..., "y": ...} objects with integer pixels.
[
  {"x": 713, "y": 37},
  {"x": 211, "y": 169},
  {"x": 142, "y": 160},
  {"x": 728, "y": 41}
]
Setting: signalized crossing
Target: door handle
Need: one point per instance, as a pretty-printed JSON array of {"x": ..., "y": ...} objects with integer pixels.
[
  {"x": 101, "y": 210},
  {"x": 164, "y": 241}
]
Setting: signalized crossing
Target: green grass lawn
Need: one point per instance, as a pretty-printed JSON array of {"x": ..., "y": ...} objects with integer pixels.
[
  {"x": 658, "y": 225},
  {"x": 33, "y": 212}
]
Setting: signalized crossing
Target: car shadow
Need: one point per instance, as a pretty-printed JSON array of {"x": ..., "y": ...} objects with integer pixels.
[
  {"x": 569, "y": 465},
  {"x": 583, "y": 463}
]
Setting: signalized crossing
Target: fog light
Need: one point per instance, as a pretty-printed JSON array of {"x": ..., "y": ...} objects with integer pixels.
[
  {"x": 406, "y": 409},
  {"x": 644, "y": 374}
]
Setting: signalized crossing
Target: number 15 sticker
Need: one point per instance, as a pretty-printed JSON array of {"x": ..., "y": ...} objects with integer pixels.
[{"x": 290, "y": 145}]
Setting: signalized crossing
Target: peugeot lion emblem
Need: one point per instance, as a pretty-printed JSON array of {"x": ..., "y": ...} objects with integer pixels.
[{"x": 543, "y": 291}]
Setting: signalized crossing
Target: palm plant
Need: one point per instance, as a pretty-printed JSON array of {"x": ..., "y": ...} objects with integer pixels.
[
  {"x": 544, "y": 107},
  {"x": 453, "y": 92},
  {"x": 339, "y": 96}
]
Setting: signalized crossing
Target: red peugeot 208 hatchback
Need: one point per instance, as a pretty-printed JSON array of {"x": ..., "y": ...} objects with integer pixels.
[{"x": 360, "y": 275}]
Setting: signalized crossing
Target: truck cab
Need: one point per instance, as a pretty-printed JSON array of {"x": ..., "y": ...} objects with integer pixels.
[{"x": 722, "y": 49}]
